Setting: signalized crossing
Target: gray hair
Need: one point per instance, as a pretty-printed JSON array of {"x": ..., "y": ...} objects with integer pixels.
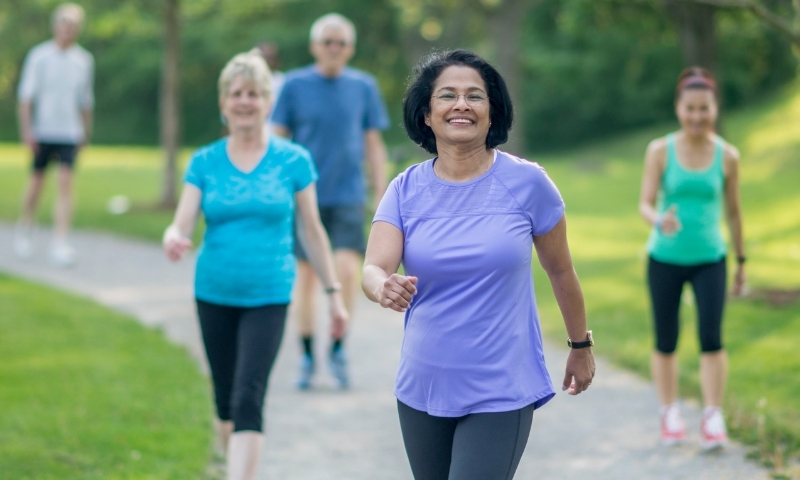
[
  {"x": 332, "y": 20},
  {"x": 249, "y": 66},
  {"x": 68, "y": 11}
]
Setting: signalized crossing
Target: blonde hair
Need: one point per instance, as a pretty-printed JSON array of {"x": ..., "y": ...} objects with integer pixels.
[
  {"x": 68, "y": 11},
  {"x": 332, "y": 20},
  {"x": 249, "y": 66}
]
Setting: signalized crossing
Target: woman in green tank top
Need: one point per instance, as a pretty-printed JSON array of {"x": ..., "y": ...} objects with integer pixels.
[{"x": 690, "y": 178}]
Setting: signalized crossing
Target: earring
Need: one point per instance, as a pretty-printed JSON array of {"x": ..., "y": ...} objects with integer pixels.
[{"x": 223, "y": 119}]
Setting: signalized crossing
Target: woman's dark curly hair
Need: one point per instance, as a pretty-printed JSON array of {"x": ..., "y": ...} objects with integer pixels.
[{"x": 417, "y": 102}]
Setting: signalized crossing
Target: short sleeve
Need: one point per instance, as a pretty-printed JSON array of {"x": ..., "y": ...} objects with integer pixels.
[
  {"x": 281, "y": 112},
  {"x": 194, "y": 172},
  {"x": 544, "y": 204},
  {"x": 389, "y": 208},
  {"x": 303, "y": 172},
  {"x": 27, "y": 80},
  {"x": 376, "y": 118}
]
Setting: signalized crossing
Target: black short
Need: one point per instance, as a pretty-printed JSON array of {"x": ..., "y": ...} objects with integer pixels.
[
  {"x": 666, "y": 282},
  {"x": 66, "y": 153},
  {"x": 345, "y": 227}
]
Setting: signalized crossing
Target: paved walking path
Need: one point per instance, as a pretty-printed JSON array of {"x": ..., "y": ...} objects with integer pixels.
[{"x": 609, "y": 432}]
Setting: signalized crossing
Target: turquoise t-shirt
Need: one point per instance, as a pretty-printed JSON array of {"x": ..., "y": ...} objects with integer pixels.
[
  {"x": 697, "y": 195},
  {"x": 247, "y": 257}
]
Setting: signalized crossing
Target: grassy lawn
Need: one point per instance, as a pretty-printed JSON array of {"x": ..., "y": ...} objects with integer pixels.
[
  {"x": 600, "y": 185},
  {"x": 90, "y": 394}
]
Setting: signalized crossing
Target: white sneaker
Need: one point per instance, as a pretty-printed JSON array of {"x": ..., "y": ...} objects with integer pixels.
[
  {"x": 62, "y": 255},
  {"x": 23, "y": 242},
  {"x": 713, "y": 433},
  {"x": 673, "y": 428}
]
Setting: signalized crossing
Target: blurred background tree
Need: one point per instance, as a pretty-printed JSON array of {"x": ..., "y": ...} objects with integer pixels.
[{"x": 579, "y": 69}]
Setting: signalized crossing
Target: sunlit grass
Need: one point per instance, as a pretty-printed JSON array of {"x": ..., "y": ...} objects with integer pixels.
[{"x": 90, "y": 394}]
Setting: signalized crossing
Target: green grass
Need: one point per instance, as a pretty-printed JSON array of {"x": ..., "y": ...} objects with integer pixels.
[
  {"x": 600, "y": 185},
  {"x": 87, "y": 393}
]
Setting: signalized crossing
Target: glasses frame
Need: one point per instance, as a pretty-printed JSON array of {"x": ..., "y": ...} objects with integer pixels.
[{"x": 481, "y": 103}]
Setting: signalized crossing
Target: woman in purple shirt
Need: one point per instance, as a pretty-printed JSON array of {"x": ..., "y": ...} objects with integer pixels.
[{"x": 463, "y": 225}]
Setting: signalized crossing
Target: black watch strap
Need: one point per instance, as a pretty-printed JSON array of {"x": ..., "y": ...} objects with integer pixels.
[{"x": 588, "y": 343}]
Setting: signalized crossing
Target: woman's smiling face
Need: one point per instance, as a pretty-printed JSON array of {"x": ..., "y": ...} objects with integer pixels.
[{"x": 459, "y": 107}]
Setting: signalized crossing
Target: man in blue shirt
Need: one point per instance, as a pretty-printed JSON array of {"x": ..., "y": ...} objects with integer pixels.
[{"x": 337, "y": 113}]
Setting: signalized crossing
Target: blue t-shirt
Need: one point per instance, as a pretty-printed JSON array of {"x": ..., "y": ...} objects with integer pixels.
[
  {"x": 472, "y": 339},
  {"x": 247, "y": 257},
  {"x": 329, "y": 117}
]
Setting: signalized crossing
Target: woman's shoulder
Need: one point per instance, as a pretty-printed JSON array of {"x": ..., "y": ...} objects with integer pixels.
[
  {"x": 414, "y": 177},
  {"x": 518, "y": 169},
  {"x": 285, "y": 147},
  {"x": 210, "y": 152},
  {"x": 729, "y": 152}
]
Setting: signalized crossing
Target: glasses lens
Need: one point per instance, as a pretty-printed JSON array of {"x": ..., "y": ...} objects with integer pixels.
[{"x": 328, "y": 42}]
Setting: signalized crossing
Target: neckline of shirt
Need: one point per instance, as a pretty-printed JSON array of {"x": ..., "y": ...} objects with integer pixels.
[
  {"x": 256, "y": 166},
  {"x": 467, "y": 182}
]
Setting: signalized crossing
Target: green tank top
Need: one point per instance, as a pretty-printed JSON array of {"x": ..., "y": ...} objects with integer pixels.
[{"x": 697, "y": 194}]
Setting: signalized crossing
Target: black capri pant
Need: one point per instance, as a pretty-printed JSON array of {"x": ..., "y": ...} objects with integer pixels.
[
  {"x": 241, "y": 345},
  {"x": 666, "y": 282}
]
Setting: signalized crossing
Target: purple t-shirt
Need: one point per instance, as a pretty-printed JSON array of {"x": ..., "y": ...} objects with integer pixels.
[{"x": 472, "y": 338}]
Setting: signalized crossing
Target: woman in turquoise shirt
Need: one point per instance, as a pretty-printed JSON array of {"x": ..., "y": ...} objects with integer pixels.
[
  {"x": 688, "y": 176},
  {"x": 249, "y": 186}
]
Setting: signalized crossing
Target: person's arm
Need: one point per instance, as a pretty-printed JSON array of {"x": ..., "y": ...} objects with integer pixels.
[
  {"x": 281, "y": 131},
  {"x": 315, "y": 242},
  {"x": 377, "y": 157},
  {"x": 733, "y": 213},
  {"x": 24, "y": 110},
  {"x": 553, "y": 252},
  {"x": 379, "y": 279},
  {"x": 87, "y": 118},
  {"x": 654, "y": 162},
  {"x": 177, "y": 237}
]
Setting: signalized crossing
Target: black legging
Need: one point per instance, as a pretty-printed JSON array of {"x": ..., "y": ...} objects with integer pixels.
[
  {"x": 666, "y": 285},
  {"x": 479, "y": 446},
  {"x": 241, "y": 345}
]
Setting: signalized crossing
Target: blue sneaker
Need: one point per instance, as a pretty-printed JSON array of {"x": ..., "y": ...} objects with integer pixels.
[
  {"x": 337, "y": 362},
  {"x": 307, "y": 370}
]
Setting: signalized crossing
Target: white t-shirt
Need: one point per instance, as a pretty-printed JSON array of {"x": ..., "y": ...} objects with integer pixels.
[{"x": 59, "y": 83}]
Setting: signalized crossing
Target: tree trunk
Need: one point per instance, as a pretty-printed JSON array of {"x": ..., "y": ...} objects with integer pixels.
[
  {"x": 697, "y": 33},
  {"x": 169, "y": 102},
  {"x": 504, "y": 26}
]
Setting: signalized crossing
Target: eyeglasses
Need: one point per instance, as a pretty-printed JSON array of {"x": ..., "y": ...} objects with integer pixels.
[
  {"x": 329, "y": 41},
  {"x": 472, "y": 99}
]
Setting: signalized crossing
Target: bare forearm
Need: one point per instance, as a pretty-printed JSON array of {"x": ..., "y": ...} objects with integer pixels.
[
  {"x": 317, "y": 248},
  {"x": 24, "y": 118},
  {"x": 372, "y": 278},
  {"x": 87, "y": 117},
  {"x": 735, "y": 229},
  {"x": 648, "y": 213},
  {"x": 567, "y": 290},
  {"x": 377, "y": 158}
]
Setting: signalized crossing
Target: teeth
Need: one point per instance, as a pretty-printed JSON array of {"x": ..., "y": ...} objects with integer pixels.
[{"x": 458, "y": 120}]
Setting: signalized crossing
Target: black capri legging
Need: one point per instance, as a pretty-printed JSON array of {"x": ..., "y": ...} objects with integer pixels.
[
  {"x": 479, "y": 446},
  {"x": 666, "y": 285},
  {"x": 241, "y": 345}
]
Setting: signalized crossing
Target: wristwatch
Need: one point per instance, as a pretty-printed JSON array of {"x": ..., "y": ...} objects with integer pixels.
[{"x": 588, "y": 343}]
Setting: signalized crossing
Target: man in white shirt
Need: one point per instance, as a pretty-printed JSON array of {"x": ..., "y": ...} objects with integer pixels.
[{"x": 55, "y": 120}]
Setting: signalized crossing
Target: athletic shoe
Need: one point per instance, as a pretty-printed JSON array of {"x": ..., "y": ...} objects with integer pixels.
[
  {"x": 673, "y": 428},
  {"x": 62, "y": 255},
  {"x": 713, "y": 433},
  {"x": 306, "y": 372},
  {"x": 337, "y": 362},
  {"x": 23, "y": 242}
]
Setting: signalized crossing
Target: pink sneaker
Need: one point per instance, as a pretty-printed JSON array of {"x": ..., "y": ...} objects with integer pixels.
[
  {"x": 713, "y": 433},
  {"x": 673, "y": 428}
]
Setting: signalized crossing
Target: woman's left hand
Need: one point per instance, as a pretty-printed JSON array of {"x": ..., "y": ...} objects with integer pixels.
[
  {"x": 739, "y": 281},
  {"x": 339, "y": 316},
  {"x": 580, "y": 370}
]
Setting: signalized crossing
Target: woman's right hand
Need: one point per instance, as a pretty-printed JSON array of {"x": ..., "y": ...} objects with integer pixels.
[
  {"x": 175, "y": 245},
  {"x": 396, "y": 292},
  {"x": 668, "y": 222}
]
